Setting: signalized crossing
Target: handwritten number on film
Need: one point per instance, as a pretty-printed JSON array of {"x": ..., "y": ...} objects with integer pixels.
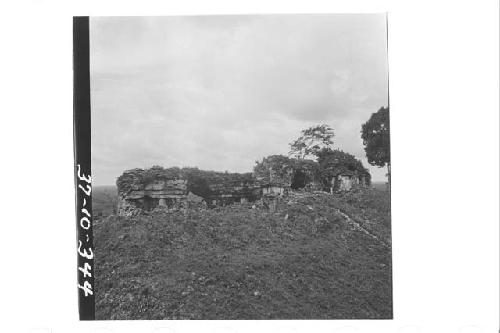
[{"x": 84, "y": 184}]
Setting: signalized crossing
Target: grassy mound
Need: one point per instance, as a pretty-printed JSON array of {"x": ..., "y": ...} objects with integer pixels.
[{"x": 302, "y": 261}]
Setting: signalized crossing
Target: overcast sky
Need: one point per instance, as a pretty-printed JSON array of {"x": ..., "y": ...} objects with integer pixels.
[{"x": 220, "y": 92}]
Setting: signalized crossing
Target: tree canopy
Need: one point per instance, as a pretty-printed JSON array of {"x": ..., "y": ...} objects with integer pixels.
[
  {"x": 311, "y": 141},
  {"x": 376, "y": 138}
]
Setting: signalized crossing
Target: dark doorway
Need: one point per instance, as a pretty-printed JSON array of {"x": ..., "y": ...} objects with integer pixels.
[
  {"x": 149, "y": 203},
  {"x": 298, "y": 180}
]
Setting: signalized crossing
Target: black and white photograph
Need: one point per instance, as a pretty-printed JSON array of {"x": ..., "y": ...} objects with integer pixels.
[
  {"x": 250, "y": 166},
  {"x": 241, "y": 167}
]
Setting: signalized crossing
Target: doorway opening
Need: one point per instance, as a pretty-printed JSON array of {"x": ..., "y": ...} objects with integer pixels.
[{"x": 298, "y": 180}]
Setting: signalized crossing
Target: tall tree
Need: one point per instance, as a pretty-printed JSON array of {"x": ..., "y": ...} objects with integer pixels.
[
  {"x": 376, "y": 139},
  {"x": 312, "y": 141}
]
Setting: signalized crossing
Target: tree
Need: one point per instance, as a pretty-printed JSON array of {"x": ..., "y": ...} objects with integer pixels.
[
  {"x": 278, "y": 165},
  {"x": 312, "y": 141},
  {"x": 376, "y": 139}
]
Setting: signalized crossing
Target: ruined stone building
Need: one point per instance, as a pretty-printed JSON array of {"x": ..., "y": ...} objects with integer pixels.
[
  {"x": 273, "y": 177},
  {"x": 157, "y": 193},
  {"x": 175, "y": 188},
  {"x": 342, "y": 171},
  {"x": 347, "y": 180}
]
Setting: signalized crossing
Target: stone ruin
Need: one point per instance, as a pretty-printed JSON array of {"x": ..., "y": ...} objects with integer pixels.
[
  {"x": 173, "y": 189},
  {"x": 157, "y": 188},
  {"x": 156, "y": 194},
  {"x": 347, "y": 180}
]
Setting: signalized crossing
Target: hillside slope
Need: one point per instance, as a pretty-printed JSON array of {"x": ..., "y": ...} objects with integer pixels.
[{"x": 317, "y": 257}]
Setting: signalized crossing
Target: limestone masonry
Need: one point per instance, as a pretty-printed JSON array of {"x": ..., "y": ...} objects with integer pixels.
[{"x": 175, "y": 188}]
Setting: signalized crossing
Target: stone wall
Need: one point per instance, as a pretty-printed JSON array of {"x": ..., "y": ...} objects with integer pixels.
[
  {"x": 282, "y": 171},
  {"x": 168, "y": 194},
  {"x": 158, "y": 188},
  {"x": 273, "y": 190},
  {"x": 142, "y": 190},
  {"x": 347, "y": 182},
  {"x": 228, "y": 191}
]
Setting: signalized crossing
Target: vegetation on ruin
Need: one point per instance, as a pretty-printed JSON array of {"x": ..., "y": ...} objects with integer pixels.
[
  {"x": 316, "y": 141},
  {"x": 330, "y": 163},
  {"x": 305, "y": 260},
  {"x": 198, "y": 181},
  {"x": 137, "y": 178},
  {"x": 282, "y": 166},
  {"x": 335, "y": 162}
]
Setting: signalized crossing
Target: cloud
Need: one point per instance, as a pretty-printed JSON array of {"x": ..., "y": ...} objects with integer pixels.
[{"x": 220, "y": 92}]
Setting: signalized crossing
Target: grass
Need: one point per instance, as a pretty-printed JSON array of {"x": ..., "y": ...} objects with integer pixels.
[{"x": 303, "y": 261}]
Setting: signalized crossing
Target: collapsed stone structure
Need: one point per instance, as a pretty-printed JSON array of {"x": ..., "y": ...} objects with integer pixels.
[
  {"x": 346, "y": 180},
  {"x": 274, "y": 177},
  {"x": 175, "y": 188},
  {"x": 157, "y": 193},
  {"x": 342, "y": 170}
]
